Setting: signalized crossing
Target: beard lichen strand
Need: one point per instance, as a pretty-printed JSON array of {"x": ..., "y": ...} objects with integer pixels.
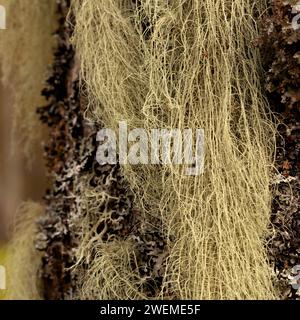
[{"x": 159, "y": 64}]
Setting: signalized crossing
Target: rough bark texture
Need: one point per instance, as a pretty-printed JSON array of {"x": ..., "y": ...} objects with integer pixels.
[
  {"x": 281, "y": 50},
  {"x": 63, "y": 116},
  {"x": 71, "y": 157}
]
